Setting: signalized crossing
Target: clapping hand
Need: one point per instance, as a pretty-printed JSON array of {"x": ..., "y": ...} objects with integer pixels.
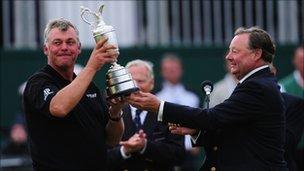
[{"x": 135, "y": 143}]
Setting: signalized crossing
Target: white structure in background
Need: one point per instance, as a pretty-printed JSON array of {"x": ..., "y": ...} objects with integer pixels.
[
  {"x": 124, "y": 21},
  {"x": 154, "y": 23}
]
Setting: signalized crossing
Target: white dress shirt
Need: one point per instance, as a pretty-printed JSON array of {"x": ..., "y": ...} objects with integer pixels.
[{"x": 179, "y": 95}]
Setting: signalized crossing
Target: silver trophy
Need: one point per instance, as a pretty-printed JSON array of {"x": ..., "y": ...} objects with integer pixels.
[{"x": 119, "y": 81}]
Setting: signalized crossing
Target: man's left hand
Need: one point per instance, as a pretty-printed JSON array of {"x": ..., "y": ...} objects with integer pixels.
[{"x": 176, "y": 129}]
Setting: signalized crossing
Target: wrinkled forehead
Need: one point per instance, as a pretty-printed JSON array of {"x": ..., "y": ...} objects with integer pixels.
[{"x": 56, "y": 33}]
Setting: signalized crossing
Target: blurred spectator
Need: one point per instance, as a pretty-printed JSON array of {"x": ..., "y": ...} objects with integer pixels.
[
  {"x": 223, "y": 88},
  {"x": 294, "y": 129},
  {"x": 17, "y": 142},
  {"x": 294, "y": 83},
  {"x": 174, "y": 91}
]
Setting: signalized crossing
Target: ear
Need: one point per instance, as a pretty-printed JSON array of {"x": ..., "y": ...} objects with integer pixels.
[
  {"x": 79, "y": 48},
  {"x": 257, "y": 54},
  {"x": 45, "y": 50},
  {"x": 152, "y": 84}
]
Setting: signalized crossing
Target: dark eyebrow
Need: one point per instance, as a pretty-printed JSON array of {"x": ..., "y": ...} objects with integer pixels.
[{"x": 71, "y": 39}]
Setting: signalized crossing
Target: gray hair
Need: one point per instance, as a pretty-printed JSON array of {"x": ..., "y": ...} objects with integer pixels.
[
  {"x": 259, "y": 39},
  {"x": 62, "y": 24},
  {"x": 144, "y": 63}
]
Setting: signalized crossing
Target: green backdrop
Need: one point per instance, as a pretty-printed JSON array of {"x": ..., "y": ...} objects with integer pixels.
[{"x": 199, "y": 64}]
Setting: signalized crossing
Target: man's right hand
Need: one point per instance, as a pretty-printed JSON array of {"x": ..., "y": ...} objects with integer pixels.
[
  {"x": 144, "y": 101},
  {"x": 103, "y": 53}
]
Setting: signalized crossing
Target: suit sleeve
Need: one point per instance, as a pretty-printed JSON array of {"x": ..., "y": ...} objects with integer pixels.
[
  {"x": 242, "y": 106},
  {"x": 165, "y": 149}
]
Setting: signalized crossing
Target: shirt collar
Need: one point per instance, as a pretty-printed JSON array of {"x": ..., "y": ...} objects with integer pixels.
[
  {"x": 252, "y": 72},
  {"x": 142, "y": 115},
  {"x": 57, "y": 74}
]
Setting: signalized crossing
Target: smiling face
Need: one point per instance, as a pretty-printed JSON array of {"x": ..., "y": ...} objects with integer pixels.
[
  {"x": 62, "y": 48},
  {"x": 241, "y": 59}
]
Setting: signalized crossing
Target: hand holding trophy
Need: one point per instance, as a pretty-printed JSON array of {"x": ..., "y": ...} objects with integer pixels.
[{"x": 119, "y": 81}]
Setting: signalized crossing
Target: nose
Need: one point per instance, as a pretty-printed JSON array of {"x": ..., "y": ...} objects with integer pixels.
[
  {"x": 228, "y": 56},
  {"x": 64, "y": 46}
]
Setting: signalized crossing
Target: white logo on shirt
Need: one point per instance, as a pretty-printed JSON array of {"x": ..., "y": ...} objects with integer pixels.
[
  {"x": 47, "y": 92},
  {"x": 93, "y": 95}
]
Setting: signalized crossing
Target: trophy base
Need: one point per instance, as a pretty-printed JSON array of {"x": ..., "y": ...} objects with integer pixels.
[{"x": 122, "y": 93}]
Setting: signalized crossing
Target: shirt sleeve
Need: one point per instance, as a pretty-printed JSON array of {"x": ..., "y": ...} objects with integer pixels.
[
  {"x": 38, "y": 94},
  {"x": 160, "y": 111}
]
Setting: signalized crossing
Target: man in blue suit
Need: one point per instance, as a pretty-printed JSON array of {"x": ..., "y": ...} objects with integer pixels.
[{"x": 251, "y": 122}]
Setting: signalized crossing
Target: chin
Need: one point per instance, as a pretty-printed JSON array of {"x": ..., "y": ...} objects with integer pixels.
[{"x": 64, "y": 67}]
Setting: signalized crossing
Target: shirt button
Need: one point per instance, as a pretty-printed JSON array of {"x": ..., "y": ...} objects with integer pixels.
[
  {"x": 213, "y": 169},
  {"x": 215, "y": 148}
]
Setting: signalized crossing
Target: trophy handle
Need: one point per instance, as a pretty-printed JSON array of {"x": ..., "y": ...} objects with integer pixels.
[
  {"x": 101, "y": 9},
  {"x": 88, "y": 11}
]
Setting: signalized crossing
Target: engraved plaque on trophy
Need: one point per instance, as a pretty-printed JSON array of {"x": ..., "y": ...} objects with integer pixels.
[{"x": 119, "y": 81}]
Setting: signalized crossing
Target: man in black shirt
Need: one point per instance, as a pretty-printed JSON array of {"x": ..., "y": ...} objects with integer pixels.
[{"x": 67, "y": 118}]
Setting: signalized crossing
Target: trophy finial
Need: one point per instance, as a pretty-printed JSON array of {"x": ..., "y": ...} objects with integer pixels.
[{"x": 91, "y": 17}]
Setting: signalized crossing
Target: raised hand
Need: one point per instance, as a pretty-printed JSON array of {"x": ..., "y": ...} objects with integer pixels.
[{"x": 103, "y": 53}]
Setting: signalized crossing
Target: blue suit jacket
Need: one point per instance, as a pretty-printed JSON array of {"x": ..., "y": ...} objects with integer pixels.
[
  {"x": 249, "y": 126},
  {"x": 164, "y": 150}
]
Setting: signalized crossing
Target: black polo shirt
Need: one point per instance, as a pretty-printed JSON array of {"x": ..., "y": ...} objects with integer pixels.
[{"x": 75, "y": 142}]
